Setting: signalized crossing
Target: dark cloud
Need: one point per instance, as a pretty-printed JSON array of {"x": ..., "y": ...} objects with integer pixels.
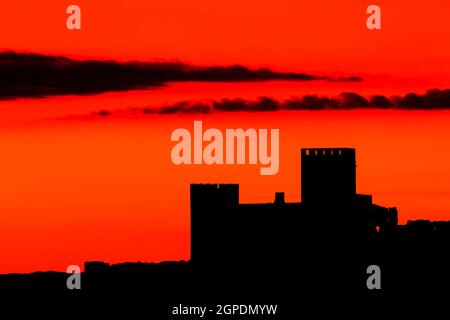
[
  {"x": 32, "y": 75},
  {"x": 104, "y": 113},
  {"x": 185, "y": 107},
  {"x": 310, "y": 102},
  {"x": 380, "y": 102},
  {"x": 350, "y": 100},
  {"x": 432, "y": 100},
  {"x": 35, "y": 75},
  {"x": 261, "y": 104}
]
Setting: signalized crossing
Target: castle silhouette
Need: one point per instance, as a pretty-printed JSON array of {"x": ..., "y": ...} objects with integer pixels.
[
  {"x": 266, "y": 251},
  {"x": 333, "y": 225},
  {"x": 224, "y": 230}
]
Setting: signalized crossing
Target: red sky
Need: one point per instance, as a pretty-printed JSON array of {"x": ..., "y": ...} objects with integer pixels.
[
  {"x": 106, "y": 190},
  {"x": 327, "y": 36}
]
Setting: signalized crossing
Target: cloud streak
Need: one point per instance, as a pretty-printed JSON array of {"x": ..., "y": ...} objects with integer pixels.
[
  {"x": 35, "y": 75},
  {"x": 434, "y": 99}
]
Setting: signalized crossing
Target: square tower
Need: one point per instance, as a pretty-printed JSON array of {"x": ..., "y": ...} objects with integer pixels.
[
  {"x": 328, "y": 176},
  {"x": 211, "y": 210}
]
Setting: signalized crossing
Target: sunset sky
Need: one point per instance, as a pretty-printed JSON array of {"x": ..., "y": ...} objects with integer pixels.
[
  {"x": 325, "y": 36},
  {"x": 76, "y": 187}
]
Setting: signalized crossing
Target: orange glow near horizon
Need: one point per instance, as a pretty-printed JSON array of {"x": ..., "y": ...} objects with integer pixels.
[{"x": 107, "y": 190}]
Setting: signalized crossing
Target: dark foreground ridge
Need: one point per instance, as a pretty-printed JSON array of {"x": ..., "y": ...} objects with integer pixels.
[{"x": 262, "y": 253}]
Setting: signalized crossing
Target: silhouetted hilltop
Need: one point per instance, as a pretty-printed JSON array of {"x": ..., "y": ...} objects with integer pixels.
[
  {"x": 165, "y": 266},
  {"x": 265, "y": 251}
]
